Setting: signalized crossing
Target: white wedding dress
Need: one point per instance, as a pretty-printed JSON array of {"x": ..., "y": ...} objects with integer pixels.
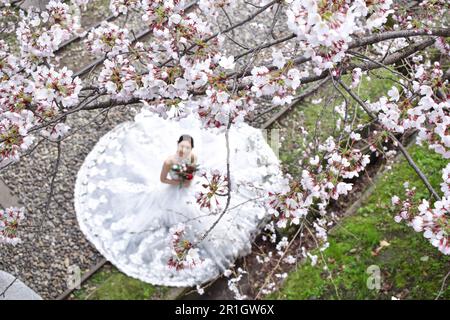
[{"x": 129, "y": 215}]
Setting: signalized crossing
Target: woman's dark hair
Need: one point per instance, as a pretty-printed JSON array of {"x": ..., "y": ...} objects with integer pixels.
[{"x": 186, "y": 137}]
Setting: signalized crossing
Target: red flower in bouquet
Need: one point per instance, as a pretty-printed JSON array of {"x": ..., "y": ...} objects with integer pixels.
[{"x": 185, "y": 172}]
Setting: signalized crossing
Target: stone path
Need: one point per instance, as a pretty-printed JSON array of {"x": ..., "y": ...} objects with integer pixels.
[
  {"x": 17, "y": 290},
  {"x": 7, "y": 198}
]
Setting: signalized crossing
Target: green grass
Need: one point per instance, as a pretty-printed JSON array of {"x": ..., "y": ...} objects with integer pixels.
[
  {"x": 411, "y": 268},
  {"x": 111, "y": 284}
]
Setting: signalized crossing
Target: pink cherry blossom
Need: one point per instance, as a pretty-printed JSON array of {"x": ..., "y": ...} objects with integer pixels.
[{"x": 10, "y": 219}]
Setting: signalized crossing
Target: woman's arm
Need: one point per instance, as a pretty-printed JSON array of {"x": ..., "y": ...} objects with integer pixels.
[{"x": 164, "y": 171}]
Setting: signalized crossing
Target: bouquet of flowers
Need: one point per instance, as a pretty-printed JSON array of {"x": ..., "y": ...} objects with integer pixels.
[{"x": 185, "y": 172}]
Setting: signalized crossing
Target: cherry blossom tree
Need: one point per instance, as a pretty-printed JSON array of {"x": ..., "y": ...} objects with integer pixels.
[{"x": 185, "y": 69}]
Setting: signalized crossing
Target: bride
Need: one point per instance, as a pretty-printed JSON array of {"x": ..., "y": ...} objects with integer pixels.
[
  {"x": 140, "y": 215},
  {"x": 184, "y": 154}
]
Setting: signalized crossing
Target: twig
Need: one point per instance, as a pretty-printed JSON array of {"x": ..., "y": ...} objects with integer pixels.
[
  {"x": 442, "y": 286},
  {"x": 3, "y": 293},
  {"x": 269, "y": 276}
]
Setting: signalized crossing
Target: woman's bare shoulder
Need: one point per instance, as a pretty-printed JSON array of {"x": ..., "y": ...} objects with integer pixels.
[{"x": 169, "y": 160}]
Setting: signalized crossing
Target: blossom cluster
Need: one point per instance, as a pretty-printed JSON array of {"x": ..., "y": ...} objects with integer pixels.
[
  {"x": 123, "y": 6},
  {"x": 108, "y": 39},
  {"x": 58, "y": 86},
  {"x": 10, "y": 219},
  {"x": 431, "y": 115},
  {"x": 281, "y": 84},
  {"x": 119, "y": 78},
  {"x": 14, "y": 137},
  {"x": 322, "y": 182},
  {"x": 442, "y": 46},
  {"x": 219, "y": 107},
  {"x": 324, "y": 28},
  {"x": 44, "y": 91},
  {"x": 428, "y": 16},
  {"x": 167, "y": 90},
  {"x": 233, "y": 283},
  {"x": 28, "y": 101},
  {"x": 184, "y": 255},
  {"x": 424, "y": 107},
  {"x": 9, "y": 63},
  {"x": 158, "y": 12},
  {"x": 216, "y": 186},
  {"x": 434, "y": 222},
  {"x": 41, "y": 33}
]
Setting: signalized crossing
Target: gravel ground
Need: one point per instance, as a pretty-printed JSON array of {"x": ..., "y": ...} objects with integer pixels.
[{"x": 52, "y": 241}]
